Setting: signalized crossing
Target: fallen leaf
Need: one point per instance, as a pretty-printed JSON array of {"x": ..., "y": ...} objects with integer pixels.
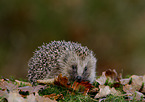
[
  {"x": 129, "y": 89},
  {"x": 94, "y": 90},
  {"x": 26, "y": 88},
  {"x": 31, "y": 89},
  {"x": 62, "y": 81},
  {"x": 110, "y": 76},
  {"x": 101, "y": 80},
  {"x": 124, "y": 81},
  {"x": 137, "y": 81},
  {"x": 3, "y": 84},
  {"x": 54, "y": 96},
  {"x": 21, "y": 82},
  {"x": 3, "y": 94},
  {"x": 115, "y": 92},
  {"x": 138, "y": 95},
  {"x": 103, "y": 92},
  {"x": 50, "y": 96},
  {"x": 46, "y": 81},
  {"x": 8, "y": 85},
  {"x": 83, "y": 86},
  {"x": 43, "y": 99},
  {"x": 113, "y": 74},
  {"x": 31, "y": 98},
  {"x": 15, "y": 97}
]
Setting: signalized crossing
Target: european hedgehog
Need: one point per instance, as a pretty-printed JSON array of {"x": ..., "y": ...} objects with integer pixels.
[{"x": 60, "y": 57}]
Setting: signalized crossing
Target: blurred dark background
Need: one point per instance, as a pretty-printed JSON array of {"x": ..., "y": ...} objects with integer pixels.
[{"x": 113, "y": 29}]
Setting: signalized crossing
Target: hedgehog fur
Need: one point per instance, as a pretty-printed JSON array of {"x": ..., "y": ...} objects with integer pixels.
[{"x": 60, "y": 57}]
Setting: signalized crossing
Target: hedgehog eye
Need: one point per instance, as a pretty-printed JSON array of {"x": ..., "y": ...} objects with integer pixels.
[
  {"x": 86, "y": 68},
  {"x": 74, "y": 67}
]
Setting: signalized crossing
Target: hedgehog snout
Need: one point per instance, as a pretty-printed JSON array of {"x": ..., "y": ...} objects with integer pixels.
[{"x": 78, "y": 78}]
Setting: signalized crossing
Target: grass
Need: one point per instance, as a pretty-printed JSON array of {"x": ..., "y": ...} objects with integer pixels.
[
  {"x": 74, "y": 96},
  {"x": 68, "y": 96},
  {"x": 78, "y": 97}
]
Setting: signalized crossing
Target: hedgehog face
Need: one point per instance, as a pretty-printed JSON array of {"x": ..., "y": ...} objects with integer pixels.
[{"x": 77, "y": 68}]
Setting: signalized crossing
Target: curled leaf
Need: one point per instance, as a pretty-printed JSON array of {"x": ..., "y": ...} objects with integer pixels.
[
  {"x": 125, "y": 81},
  {"x": 129, "y": 89},
  {"x": 110, "y": 76},
  {"x": 137, "y": 81},
  {"x": 31, "y": 89},
  {"x": 21, "y": 82},
  {"x": 104, "y": 91},
  {"x": 83, "y": 86},
  {"x": 62, "y": 81},
  {"x": 46, "y": 81}
]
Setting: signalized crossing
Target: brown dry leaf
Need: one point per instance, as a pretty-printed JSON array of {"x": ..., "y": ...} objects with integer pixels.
[
  {"x": 3, "y": 84},
  {"x": 138, "y": 95},
  {"x": 129, "y": 89},
  {"x": 37, "y": 98},
  {"x": 62, "y": 81},
  {"x": 54, "y": 96},
  {"x": 115, "y": 92},
  {"x": 102, "y": 80},
  {"x": 94, "y": 90},
  {"x": 4, "y": 93},
  {"x": 50, "y": 96},
  {"x": 10, "y": 86},
  {"x": 12, "y": 95},
  {"x": 15, "y": 97},
  {"x": 31, "y": 98},
  {"x": 58, "y": 97},
  {"x": 10, "y": 91},
  {"x": 137, "y": 81},
  {"x": 46, "y": 81},
  {"x": 106, "y": 90},
  {"x": 26, "y": 88},
  {"x": 110, "y": 75},
  {"x": 103, "y": 92},
  {"x": 21, "y": 82},
  {"x": 42, "y": 99},
  {"x": 124, "y": 81},
  {"x": 83, "y": 86},
  {"x": 31, "y": 89},
  {"x": 113, "y": 74}
]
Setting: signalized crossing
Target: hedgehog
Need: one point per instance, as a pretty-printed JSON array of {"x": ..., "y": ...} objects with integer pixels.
[{"x": 70, "y": 59}]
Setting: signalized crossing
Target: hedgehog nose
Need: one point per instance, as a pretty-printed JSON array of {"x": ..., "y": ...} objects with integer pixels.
[{"x": 78, "y": 78}]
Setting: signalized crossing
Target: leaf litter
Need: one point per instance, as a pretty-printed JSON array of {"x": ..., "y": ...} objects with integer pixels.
[{"x": 109, "y": 83}]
